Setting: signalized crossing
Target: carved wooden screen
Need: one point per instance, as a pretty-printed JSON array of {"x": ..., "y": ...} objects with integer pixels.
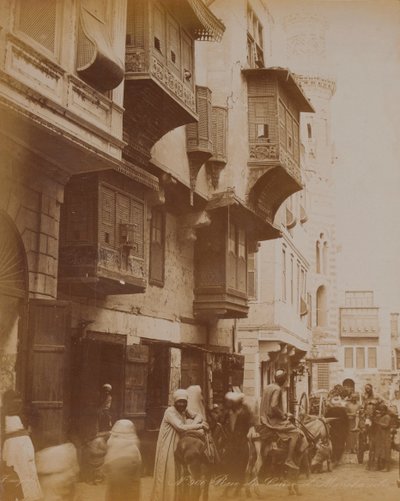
[
  {"x": 37, "y": 19},
  {"x": 135, "y": 24},
  {"x": 121, "y": 213}
]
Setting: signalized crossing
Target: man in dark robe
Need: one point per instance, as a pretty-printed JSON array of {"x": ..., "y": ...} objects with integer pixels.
[
  {"x": 236, "y": 424},
  {"x": 274, "y": 417}
]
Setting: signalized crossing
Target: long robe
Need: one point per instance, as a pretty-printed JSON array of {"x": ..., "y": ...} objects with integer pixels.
[
  {"x": 272, "y": 414},
  {"x": 122, "y": 466},
  {"x": 18, "y": 452},
  {"x": 165, "y": 477},
  {"x": 236, "y": 426}
]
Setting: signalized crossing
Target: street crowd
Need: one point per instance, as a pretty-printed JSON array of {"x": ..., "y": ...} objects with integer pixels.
[{"x": 230, "y": 442}]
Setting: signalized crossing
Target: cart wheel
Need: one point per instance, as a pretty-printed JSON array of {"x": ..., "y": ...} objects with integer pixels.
[{"x": 303, "y": 406}]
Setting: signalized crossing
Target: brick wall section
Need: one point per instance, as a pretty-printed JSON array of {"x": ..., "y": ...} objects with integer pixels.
[{"x": 32, "y": 199}]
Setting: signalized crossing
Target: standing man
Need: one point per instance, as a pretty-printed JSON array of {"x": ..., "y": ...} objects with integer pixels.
[
  {"x": 370, "y": 403},
  {"x": 236, "y": 425},
  {"x": 274, "y": 417},
  {"x": 104, "y": 420},
  {"x": 174, "y": 423}
]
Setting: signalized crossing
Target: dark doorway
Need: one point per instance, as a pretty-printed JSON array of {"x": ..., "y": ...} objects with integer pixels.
[
  {"x": 99, "y": 359},
  {"x": 192, "y": 368}
]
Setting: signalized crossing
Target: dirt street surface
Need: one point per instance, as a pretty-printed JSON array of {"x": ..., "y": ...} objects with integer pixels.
[{"x": 347, "y": 482}]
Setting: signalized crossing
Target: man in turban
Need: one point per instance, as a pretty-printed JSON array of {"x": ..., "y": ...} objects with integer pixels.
[
  {"x": 174, "y": 423},
  {"x": 274, "y": 417},
  {"x": 236, "y": 424}
]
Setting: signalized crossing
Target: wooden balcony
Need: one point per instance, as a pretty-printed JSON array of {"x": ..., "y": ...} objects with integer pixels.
[
  {"x": 102, "y": 250},
  {"x": 221, "y": 254},
  {"x": 275, "y": 102},
  {"x": 159, "y": 65}
]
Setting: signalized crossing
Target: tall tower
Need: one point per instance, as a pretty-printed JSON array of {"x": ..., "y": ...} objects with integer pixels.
[{"x": 306, "y": 56}]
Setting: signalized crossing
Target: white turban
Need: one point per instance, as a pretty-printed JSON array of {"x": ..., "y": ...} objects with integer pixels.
[
  {"x": 234, "y": 396},
  {"x": 180, "y": 395}
]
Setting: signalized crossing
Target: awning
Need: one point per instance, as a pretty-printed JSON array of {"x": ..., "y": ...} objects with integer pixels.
[
  {"x": 97, "y": 63},
  {"x": 259, "y": 227},
  {"x": 322, "y": 360},
  {"x": 288, "y": 82}
]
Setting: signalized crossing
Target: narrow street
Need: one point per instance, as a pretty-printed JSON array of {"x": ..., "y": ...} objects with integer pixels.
[{"x": 347, "y": 482}]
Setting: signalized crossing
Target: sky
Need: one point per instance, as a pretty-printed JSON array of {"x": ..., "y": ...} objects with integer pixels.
[{"x": 363, "y": 56}]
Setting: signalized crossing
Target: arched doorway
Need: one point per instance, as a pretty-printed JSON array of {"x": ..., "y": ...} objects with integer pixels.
[{"x": 13, "y": 297}]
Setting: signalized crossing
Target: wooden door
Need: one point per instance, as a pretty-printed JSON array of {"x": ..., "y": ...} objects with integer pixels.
[
  {"x": 48, "y": 368},
  {"x": 136, "y": 369}
]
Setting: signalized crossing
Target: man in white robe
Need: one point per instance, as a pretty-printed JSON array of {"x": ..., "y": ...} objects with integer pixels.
[{"x": 174, "y": 423}]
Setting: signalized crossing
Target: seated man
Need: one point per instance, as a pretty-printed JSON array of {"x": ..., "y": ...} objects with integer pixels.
[{"x": 274, "y": 418}]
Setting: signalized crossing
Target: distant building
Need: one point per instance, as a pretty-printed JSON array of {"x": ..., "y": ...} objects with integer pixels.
[{"x": 365, "y": 344}]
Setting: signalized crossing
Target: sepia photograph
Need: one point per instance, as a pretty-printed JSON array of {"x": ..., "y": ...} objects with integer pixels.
[{"x": 199, "y": 250}]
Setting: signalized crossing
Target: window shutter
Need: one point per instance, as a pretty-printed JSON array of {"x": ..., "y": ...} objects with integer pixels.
[
  {"x": 48, "y": 382},
  {"x": 174, "y": 46},
  {"x": 360, "y": 358},
  {"x": 37, "y": 19},
  {"x": 136, "y": 368},
  {"x": 187, "y": 59},
  {"x": 323, "y": 376},
  {"x": 107, "y": 216},
  {"x": 122, "y": 216},
  {"x": 159, "y": 29},
  {"x": 199, "y": 134},
  {"x": 242, "y": 261},
  {"x": 251, "y": 275},
  {"x": 157, "y": 247},
  {"x": 372, "y": 359},
  {"x": 137, "y": 222},
  {"x": 282, "y": 125},
  {"x": 348, "y": 358},
  {"x": 296, "y": 147},
  {"x": 219, "y": 131}
]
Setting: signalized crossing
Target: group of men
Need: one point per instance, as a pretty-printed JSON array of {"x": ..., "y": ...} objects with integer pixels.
[{"x": 229, "y": 426}]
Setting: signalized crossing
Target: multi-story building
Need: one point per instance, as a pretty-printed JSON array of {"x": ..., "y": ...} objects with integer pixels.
[
  {"x": 306, "y": 50},
  {"x": 366, "y": 345},
  {"x": 135, "y": 184},
  {"x": 293, "y": 316}
]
